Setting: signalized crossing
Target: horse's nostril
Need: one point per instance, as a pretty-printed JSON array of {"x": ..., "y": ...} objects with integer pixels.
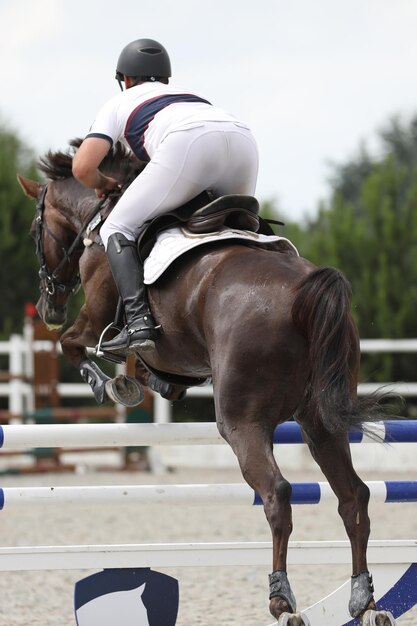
[{"x": 53, "y": 317}]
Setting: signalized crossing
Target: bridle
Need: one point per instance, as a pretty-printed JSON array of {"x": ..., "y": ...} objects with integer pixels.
[{"x": 51, "y": 278}]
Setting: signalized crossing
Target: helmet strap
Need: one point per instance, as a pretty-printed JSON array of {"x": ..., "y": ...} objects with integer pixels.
[{"x": 119, "y": 77}]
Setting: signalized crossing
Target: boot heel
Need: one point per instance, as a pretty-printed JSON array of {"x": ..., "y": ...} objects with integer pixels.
[{"x": 141, "y": 345}]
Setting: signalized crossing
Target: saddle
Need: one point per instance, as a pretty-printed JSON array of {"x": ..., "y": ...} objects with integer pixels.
[
  {"x": 204, "y": 214},
  {"x": 236, "y": 211}
]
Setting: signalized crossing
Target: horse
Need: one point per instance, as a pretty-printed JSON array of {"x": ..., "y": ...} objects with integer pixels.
[{"x": 273, "y": 332}]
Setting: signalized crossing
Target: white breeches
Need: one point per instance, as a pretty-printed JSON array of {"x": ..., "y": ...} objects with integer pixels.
[{"x": 220, "y": 156}]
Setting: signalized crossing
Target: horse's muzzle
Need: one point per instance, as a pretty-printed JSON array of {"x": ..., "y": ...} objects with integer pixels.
[{"x": 53, "y": 316}]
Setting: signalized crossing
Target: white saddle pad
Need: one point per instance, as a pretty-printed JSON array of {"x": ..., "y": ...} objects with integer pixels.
[{"x": 174, "y": 242}]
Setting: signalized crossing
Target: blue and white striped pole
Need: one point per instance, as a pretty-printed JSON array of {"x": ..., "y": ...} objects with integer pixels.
[{"x": 240, "y": 493}]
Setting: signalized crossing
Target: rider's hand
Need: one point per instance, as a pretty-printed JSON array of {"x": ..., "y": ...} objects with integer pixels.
[{"x": 107, "y": 185}]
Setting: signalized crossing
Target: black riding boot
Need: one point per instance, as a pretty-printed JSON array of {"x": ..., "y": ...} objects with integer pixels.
[{"x": 127, "y": 269}]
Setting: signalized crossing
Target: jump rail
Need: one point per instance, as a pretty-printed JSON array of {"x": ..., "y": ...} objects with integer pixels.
[
  {"x": 24, "y": 436},
  {"x": 194, "y": 494}
]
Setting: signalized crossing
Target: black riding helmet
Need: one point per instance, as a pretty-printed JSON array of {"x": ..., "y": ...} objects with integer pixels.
[{"x": 145, "y": 59}]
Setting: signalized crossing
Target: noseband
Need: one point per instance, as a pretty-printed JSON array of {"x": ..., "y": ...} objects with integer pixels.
[{"x": 48, "y": 277}]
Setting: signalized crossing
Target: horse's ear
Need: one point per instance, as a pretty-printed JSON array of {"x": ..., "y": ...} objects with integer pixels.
[{"x": 30, "y": 187}]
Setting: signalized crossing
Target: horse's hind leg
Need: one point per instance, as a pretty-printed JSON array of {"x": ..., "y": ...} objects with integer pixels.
[
  {"x": 332, "y": 453},
  {"x": 252, "y": 444}
]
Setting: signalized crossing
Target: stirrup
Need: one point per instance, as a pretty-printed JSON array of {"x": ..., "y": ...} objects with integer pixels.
[{"x": 98, "y": 351}]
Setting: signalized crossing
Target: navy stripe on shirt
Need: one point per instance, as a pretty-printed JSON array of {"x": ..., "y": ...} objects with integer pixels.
[
  {"x": 100, "y": 136},
  {"x": 142, "y": 116}
]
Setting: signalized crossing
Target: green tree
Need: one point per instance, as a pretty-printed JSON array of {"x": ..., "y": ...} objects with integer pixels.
[
  {"x": 18, "y": 268},
  {"x": 368, "y": 229}
]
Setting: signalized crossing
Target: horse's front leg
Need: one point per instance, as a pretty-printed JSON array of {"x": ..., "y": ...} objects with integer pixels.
[
  {"x": 122, "y": 389},
  {"x": 74, "y": 342}
]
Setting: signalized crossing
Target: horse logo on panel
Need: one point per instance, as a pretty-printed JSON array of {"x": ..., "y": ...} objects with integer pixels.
[{"x": 126, "y": 597}]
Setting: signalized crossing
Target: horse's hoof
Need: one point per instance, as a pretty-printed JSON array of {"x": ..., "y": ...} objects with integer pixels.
[
  {"x": 378, "y": 618},
  {"x": 125, "y": 390},
  {"x": 293, "y": 619}
]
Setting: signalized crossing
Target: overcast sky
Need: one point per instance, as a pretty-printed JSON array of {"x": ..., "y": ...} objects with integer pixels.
[{"x": 313, "y": 78}]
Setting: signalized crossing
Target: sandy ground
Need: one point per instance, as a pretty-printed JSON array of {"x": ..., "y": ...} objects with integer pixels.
[{"x": 221, "y": 596}]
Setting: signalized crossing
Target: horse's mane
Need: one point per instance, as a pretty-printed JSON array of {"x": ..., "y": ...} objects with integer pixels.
[{"x": 119, "y": 161}]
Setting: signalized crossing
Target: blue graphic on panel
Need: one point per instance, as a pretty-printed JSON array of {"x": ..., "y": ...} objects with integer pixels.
[{"x": 127, "y": 597}]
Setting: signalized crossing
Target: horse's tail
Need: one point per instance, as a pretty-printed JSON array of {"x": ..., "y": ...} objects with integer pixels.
[{"x": 321, "y": 313}]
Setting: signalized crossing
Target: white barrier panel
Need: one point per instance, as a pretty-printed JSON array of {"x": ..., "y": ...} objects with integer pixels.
[{"x": 198, "y": 554}]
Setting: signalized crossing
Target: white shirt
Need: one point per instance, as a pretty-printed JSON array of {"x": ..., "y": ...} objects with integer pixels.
[{"x": 143, "y": 115}]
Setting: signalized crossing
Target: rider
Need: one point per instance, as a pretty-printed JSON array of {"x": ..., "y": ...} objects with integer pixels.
[{"x": 189, "y": 146}]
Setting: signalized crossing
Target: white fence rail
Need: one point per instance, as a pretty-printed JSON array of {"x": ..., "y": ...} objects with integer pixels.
[{"x": 19, "y": 390}]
